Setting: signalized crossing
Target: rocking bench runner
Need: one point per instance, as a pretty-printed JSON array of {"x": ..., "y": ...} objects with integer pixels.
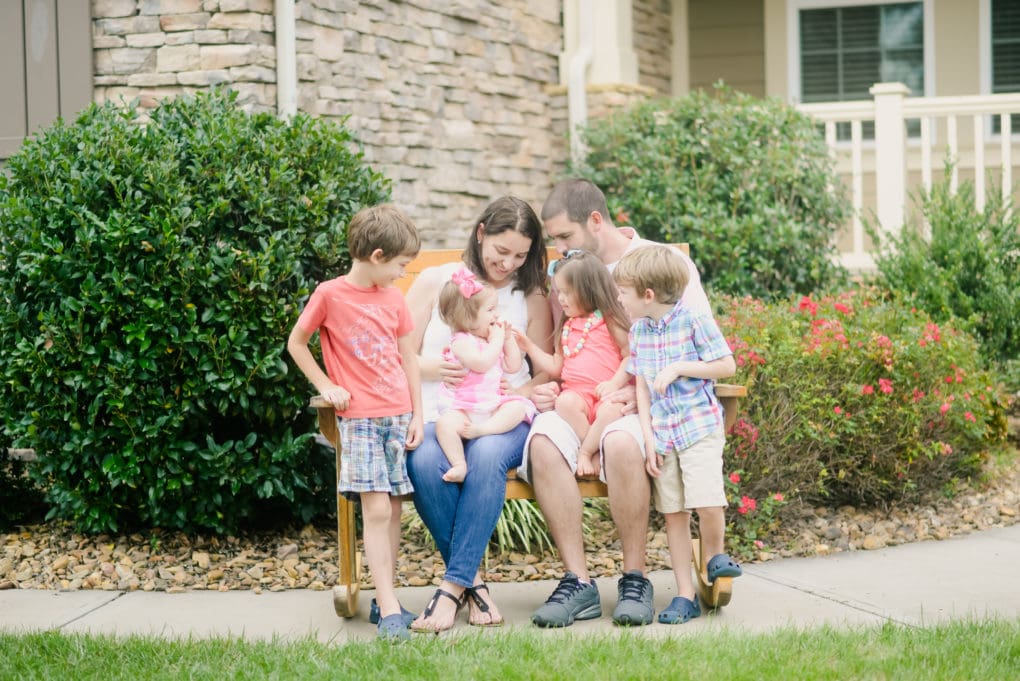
[{"x": 345, "y": 593}]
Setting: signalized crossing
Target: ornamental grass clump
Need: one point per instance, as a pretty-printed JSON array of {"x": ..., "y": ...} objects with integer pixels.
[
  {"x": 150, "y": 272},
  {"x": 856, "y": 398}
]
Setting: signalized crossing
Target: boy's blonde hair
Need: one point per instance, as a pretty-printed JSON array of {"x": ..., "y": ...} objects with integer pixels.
[
  {"x": 658, "y": 268},
  {"x": 456, "y": 310},
  {"x": 383, "y": 227}
]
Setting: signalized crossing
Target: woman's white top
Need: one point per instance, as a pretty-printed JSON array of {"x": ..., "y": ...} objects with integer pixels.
[{"x": 510, "y": 305}]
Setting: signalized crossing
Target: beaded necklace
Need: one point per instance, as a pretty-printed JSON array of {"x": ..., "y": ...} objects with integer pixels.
[{"x": 590, "y": 322}]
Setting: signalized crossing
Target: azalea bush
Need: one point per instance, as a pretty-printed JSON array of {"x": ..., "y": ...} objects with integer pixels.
[
  {"x": 750, "y": 520},
  {"x": 855, "y": 398}
]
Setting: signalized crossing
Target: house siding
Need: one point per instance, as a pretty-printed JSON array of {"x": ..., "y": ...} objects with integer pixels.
[{"x": 727, "y": 43}]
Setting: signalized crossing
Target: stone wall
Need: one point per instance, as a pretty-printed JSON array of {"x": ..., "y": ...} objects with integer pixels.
[
  {"x": 653, "y": 43},
  {"x": 449, "y": 99}
]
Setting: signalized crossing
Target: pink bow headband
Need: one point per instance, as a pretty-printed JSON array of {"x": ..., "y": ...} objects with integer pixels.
[{"x": 466, "y": 282}]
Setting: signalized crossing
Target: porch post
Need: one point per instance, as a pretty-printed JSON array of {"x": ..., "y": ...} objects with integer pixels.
[
  {"x": 890, "y": 155},
  {"x": 614, "y": 61}
]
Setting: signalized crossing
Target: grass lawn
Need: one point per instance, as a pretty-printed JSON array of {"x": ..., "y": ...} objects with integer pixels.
[{"x": 986, "y": 650}]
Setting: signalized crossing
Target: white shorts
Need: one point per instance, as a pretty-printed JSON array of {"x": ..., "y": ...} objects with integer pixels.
[
  {"x": 551, "y": 425},
  {"x": 691, "y": 478}
]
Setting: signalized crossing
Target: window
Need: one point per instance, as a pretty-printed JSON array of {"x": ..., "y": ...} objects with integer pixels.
[
  {"x": 846, "y": 50},
  {"x": 1006, "y": 54}
]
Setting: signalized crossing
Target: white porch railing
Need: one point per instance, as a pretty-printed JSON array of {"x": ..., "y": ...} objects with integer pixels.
[{"x": 901, "y": 164}]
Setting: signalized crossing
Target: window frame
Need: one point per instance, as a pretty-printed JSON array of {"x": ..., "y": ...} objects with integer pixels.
[{"x": 793, "y": 9}]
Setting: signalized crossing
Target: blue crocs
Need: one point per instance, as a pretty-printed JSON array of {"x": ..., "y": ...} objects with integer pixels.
[
  {"x": 680, "y": 610},
  {"x": 392, "y": 628},
  {"x": 722, "y": 565},
  {"x": 373, "y": 614}
]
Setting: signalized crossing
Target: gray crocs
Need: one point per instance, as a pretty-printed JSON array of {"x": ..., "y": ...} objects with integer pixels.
[
  {"x": 680, "y": 610},
  {"x": 392, "y": 628}
]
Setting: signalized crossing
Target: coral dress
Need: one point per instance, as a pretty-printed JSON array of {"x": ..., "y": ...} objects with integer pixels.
[
  {"x": 479, "y": 394},
  {"x": 596, "y": 361}
]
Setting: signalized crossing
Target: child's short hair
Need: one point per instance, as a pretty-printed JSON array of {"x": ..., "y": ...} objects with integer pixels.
[
  {"x": 656, "y": 267},
  {"x": 383, "y": 227},
  {"x": 461, "y": 298}
]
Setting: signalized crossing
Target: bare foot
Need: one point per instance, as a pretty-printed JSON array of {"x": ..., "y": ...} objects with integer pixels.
[
  {"x": 457, "y": 473},
  {"x": 470, "y": 431}
]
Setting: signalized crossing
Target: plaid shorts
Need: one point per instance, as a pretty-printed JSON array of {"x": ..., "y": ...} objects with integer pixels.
[{"x": 372, "y": 458}]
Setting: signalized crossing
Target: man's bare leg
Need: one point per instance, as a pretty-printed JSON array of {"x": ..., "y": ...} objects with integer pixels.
[
  {"x": 559, "y": 498},
  {"x": 629, "y": 495}
]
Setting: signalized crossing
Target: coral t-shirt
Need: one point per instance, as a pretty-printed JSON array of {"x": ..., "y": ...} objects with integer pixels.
[{"x": 358, "y": 331}]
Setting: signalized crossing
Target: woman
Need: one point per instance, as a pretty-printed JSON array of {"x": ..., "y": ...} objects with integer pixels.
[{"x": 505, "y": 249}]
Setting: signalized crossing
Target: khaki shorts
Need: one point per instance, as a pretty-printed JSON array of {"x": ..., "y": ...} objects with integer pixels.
[
  {"x": 692, "y": 478},
  {"x": 551, "y": 425}
]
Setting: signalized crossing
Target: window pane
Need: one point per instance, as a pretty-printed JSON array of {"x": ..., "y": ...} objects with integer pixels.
[
  {"x": 817, "y": 30},
  {"x": 861, "y": 70},
  {"x": 1006, "y": 68},
  {"x": 1006, "y": 54},
  {"x": 820, "y": 80},
  {"x": 902, "y": 25},
  {"x": 905, "y": 66},
  {"x": 1005, "y": 20},
  {"x": 859, "y": 27}
]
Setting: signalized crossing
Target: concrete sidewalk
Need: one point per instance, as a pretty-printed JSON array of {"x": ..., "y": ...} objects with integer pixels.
[{"x": 974, "y": 576}]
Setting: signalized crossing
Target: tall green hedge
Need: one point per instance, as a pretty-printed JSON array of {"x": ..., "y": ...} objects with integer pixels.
[
  {"x": 150, "y": 271},
  {"x": 748, "y": 182}
]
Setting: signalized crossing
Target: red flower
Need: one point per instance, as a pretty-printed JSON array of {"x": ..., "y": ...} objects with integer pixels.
[
  {"x": 807, "y": 304},
  {"x": 734, "y": 478},
  {"x": 867, "y": 390},
  {"x": 944, "y": 408},
  {"x": 777, "y": 496},
  {"x": 885, "y": 385},
  {"x": 969, "y": 417},
  {"x": 837, "y": 410},
  {"x": 840, "y": 307},
  {"x": 747, "y": 504}
]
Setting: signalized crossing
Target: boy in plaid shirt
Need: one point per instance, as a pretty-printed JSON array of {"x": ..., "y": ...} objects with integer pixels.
[{"x": 676, "y": 355}]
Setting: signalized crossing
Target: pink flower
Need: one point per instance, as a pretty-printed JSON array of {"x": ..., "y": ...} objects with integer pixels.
[
  {"x": 734, "y": 478},
  {"x": 969, "y": 417},
  {"x": 838, "y": 410},
  {"x": 944, "y": 408},
  {"x": 748, "y": 503},
  {"x": 778, "y": 497},
  {"x": 759, "y": 544},
  {"x": 807, "y": 304},
  {"x": 885, "y": 385},
  {"x": 867, "y": 390},
  {"x": 947, "y": 449},
  {"x": 840, "y": 307}
]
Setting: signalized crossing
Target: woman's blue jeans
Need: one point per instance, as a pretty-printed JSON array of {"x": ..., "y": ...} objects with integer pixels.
[{"x": 462, "y": 515}]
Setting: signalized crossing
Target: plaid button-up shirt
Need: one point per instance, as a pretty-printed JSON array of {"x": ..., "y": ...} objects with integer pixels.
[{"x": 689, "y": 410}]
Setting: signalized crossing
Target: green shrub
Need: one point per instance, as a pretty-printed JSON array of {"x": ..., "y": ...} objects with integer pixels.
[
  {"x": 856, "y": 398},
  {"x": 150, "y": 273},
  {"x": 748, "y": 182},
  {"x": 968, "y": 270}
]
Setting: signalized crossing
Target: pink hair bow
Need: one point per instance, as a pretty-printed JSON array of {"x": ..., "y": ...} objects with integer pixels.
[{"x": 466, "y": 282}]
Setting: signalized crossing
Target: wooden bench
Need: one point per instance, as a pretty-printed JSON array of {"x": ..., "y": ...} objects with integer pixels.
[{"x": 345, "y": 593}]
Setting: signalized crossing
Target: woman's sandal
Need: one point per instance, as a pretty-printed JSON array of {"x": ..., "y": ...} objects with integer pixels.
[
  {"x": 431, "y": 608},
  {"x": 479, "y": 602}
]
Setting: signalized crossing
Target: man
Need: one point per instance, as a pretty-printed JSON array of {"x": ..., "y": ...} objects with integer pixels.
[{"x": 575, "y": 216}]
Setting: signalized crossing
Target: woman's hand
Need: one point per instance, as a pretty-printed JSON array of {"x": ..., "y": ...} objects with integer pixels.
[{"x": 451, "y": 373}]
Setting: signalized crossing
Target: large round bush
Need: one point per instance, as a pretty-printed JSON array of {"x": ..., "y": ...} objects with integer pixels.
[
  {"x": 150, "y": 272},
  {"x": 748, "y": 182}
]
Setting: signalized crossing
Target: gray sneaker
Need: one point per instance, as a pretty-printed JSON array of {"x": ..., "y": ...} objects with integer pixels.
[
  {"x": 571, "y": 601},
  {"x": 634, "y": 605}
]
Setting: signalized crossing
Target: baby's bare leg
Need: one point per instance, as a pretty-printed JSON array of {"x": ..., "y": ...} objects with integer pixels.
[
  {"x": 448, "y": 428},
  {"x": 503, "y": 420}
]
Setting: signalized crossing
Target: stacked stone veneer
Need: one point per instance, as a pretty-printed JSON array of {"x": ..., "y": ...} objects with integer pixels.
[
  {"x": 653, "y": 43},
  {"x": 457, "y": 102}
]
